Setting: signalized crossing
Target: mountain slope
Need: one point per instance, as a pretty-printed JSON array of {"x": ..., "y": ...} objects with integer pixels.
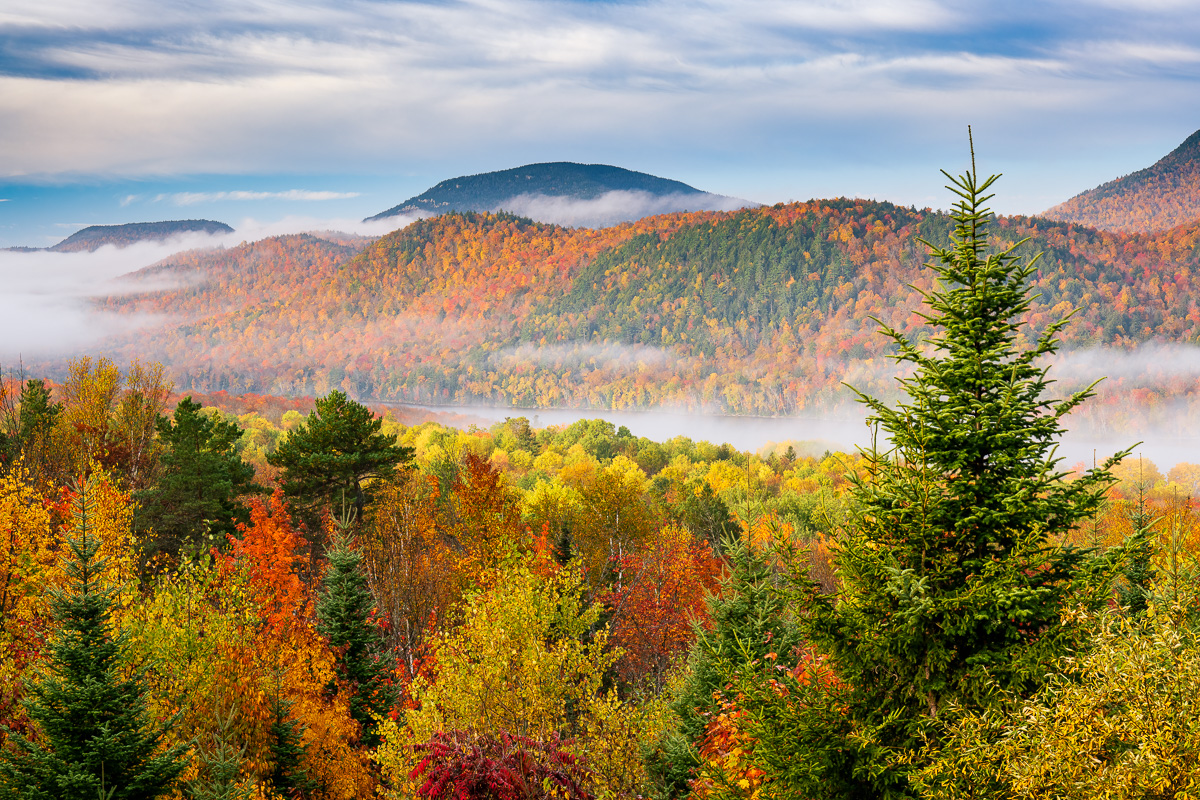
[
  {"x": 1153, "y": 199},
  {"x": 760, "y": 311},
  {"x": 492, "y": 191},
  {"x": 96, "y": 236}
]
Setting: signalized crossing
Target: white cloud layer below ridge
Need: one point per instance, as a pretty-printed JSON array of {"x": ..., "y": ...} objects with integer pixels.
[
  {"x": 614, "y": 207},
  {"x": 47, "y": 309}
]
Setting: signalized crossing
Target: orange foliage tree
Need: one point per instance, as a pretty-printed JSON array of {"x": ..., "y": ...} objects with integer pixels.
[{"x": 656, "y": 609}]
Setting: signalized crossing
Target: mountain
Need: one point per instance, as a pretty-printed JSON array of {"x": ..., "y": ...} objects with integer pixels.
[
  {"x": 538, "y": 190},
  {"x": 96, "y": 236},
  {"x": 1153, "y": 199},
  {"x": 759, "y": 311}
]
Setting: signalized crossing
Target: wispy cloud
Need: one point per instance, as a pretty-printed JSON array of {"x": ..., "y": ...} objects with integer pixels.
[
  {"x": 613, "y": 207},
  {"x": 191, "y": 198},
  {"x": 776, "y": 86}
]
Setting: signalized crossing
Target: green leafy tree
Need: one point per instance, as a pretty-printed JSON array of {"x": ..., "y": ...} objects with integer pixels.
[
  {"x": 344, "y": 616},
  {"x": 328, "y": 458},
  {"x": 202, "y": 479},
  {"x": 954, "y": 585},
  {"x": 99, "y": 740},
  {"x": 706, "y": 514}
]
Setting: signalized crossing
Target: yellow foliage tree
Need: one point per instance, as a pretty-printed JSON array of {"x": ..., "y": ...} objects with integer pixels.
[
  {"x": 523, "y": 662},
  {"x": 27, "y": 563},
  {"x": 1118, "y": 722}
]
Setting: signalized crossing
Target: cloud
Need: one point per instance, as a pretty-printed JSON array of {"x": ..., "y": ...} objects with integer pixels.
[
  {"x": 614, "y": 207},
  {"x": 191, "y": 198},
  {"x": 606, "y": 356},
  {"x": 785, "y": 86},
  {"x": 1147, "y": 364},
  {"x": 46, "y": 309}
]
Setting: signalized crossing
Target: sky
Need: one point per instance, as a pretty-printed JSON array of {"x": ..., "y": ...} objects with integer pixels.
[{"x": 255, "y": 113}]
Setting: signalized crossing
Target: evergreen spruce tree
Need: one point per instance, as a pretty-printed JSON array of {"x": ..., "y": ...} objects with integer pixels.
[
  {"x": 220, "y": 766},
  {"x": 99, "y": 740},
  {"x": 288, "y": 777},
  {"x": 750, "y": 618},
  {"x": 954, "y": 583},
  {"x": 344, "y": 610}
]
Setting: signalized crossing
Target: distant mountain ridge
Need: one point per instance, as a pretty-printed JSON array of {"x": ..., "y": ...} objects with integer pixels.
[
  {"x": 492, "y": 191},
  {"x": 94, "y": 237},
  {"x": 1157, "y": 198}
]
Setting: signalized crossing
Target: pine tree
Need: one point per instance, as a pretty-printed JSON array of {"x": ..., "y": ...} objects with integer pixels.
[
  {"x": 332, "y": 453},
  {"x": 750, "y": 619},
  {"x": 99, "y": 740},
  {"x": 288, "y": 750},
  {"x": 202, "y": 478},
  {"x": 954, "y": 582},
  {"x": 344, "y": 611}
]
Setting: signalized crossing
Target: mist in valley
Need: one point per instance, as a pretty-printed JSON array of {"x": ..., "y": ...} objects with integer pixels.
[{"x": 1149, "y": 395}]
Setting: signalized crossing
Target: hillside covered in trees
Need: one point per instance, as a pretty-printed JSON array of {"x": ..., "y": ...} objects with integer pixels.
[
  {"x": 94, "y": 237},
  {"x": 760, "y": 311},
  {"x": 1157, "y": 198}
]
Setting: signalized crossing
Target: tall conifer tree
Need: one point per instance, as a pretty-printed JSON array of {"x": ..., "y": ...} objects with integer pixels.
[
  {"x": 99, "y": 740},
  {"x": 344, "y": 611},
  {"x": 954, "y": 580}
]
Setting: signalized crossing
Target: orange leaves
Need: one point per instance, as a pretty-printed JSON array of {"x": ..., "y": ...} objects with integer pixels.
[
  {"x": 726, "y": 755},
  {"x": 272, "y": 550},
  {"x": 655, "y": 609},
  {"x": 487, "y": 521}
]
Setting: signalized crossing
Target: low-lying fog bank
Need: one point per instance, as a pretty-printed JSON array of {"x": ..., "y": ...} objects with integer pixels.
[{"x": 815, "y": 434}]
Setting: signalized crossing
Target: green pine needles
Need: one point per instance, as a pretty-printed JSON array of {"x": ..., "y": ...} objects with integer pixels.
[
  {"x": 99, "y": 740},
  {"x": 954, "y": 581},
  {"x": 344, "y": 611}
]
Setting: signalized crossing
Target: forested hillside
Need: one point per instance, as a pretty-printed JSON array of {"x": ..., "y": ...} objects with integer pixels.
[
  {"x": 760, "y": 311},
  {"x": 257, "y": 602},
  {"x": 1156, "y": 198}
]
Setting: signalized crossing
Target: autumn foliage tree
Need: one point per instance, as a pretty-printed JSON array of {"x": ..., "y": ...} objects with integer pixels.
[{"x": 657, "y": 608}]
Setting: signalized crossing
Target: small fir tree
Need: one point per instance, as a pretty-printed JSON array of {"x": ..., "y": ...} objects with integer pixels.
[
  {"x": 954, "y": 581},
  {"x": 750, "y": 618},
  {"x": 288, "y": 777},
  {"x": 98, "y": 738},
  {"x": 220, "y": 765},
  {"x": 344, "y": 610},
  {"x": 1135, "y": 588}
]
